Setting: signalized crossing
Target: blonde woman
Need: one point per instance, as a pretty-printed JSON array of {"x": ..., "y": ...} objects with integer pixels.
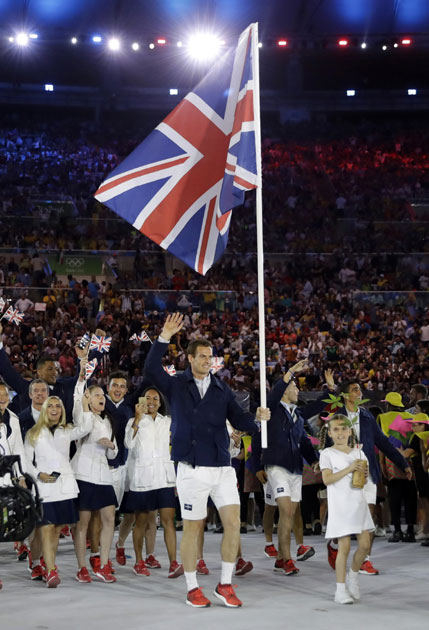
[
  {"x": 47, "y": 447},
  {"x": 94, "y": 477}
]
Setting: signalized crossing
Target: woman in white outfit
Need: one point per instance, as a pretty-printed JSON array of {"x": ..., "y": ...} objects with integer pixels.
[
  {"x": 47, "y": 448},
  {"x": 10, "y": 437},
  {"x": 151, "y": 476},
  {"x": 94, "y": 477}
]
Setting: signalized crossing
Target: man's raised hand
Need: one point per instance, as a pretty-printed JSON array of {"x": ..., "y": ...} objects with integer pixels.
[{"x": 172, "y": 325}]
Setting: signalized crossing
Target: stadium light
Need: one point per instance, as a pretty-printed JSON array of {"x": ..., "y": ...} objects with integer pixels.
[
  {"x": 406, "y": 41},
  {"x": 97, "y": 39},
  {"x": 161, "y": 41},
  {"x": 259, "y": 44},
  {"x": 74, "y": 40},
  {"x": 11, "y": 39},
  {"x": 204, "y": 46},
  {"x": 49, "y": 87},
  {"x": 174, "y": 91},
  {"x": 34, "y": 36},
  {"x": 135, "y": 46},
  {"x": 282, "y": 42},
  {"x": 363, "y": 45},
  {"x": 152, "y": 46},
  {"x": 343, "y": 42},
  {"x": 395, "y": 45},
  {"x": 179, "y": 44},
  {"x": 384, "y": 47},
  {"x": 22, "y": 39},
  {"x": 114, "y": 44},
  {"x": 351, "y": 92},
  {"x": 412, "y": 92}
]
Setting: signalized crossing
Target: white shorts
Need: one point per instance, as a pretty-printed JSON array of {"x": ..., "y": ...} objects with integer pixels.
[
  {"x": 370, "y": 491},
  {"x": 283, "y": 483},
  {"x": 118, "y": 483},
  {"x": 196, "y": 485}
]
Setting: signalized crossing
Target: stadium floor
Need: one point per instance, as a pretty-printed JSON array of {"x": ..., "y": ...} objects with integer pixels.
[{"x": 396, "y": 599}]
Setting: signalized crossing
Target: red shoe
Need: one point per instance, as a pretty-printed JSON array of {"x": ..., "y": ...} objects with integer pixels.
[
  {"x": 83, "y": 575},
  {"x": 332, "y": 555},
  {"x": 1, "y": 585},
  {"x": 289, "y": 568},
  {"x": 197, "y": 599},
  {"x": 88, "y": 543},
  {"x": 105, "y": 574},
  {"x": 368, "y": 569},
  {"x": 22, "y": 552},
  {"x": 65, "y": 532},
  {"x": 202, "y": 568},
  {"x": 279, "y": 565},
  {"x": 270, "y": 551},
  {"x": 112, "y": 568},
  {"x": 37, "y": 573},
  {"x": 226, "y": 594},
  {"x": 52, "y": 579},
  {"x": 176, "y": 570},
  {"x": 140, "y": 568},
  {"x": 95, "y": 562},
  {"x": 152, "y": 562},
  {"x": 120, "y": 555},
  {"x": 304, "y": 552},
  {"x": 243, "y": 566}
]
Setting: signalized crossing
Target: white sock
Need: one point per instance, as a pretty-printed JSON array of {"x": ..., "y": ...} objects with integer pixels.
[
  {"x": 341, "y": 587},
  {"x": 191, "y": 580},
  {"x": 353, "y": 575},
  {"x": 333, "y": 544},
  {"x": 95, "y": 554},
  {"x": 226, "y": 575},
  {"x": 268, "y": 542}
]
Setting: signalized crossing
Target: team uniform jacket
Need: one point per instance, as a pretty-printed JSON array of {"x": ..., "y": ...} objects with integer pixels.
[
  {"x": 198, "y": 429},
  {"x": 11, "y": 443}
]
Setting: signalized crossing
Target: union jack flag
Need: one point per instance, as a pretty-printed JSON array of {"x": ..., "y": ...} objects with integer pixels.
[
  {"x": 90, "y": 367},
  {"x": 13, "y": 315},
  {"x": 217, "y": 364},
  {"x": 170, "y": 369},
  {"x": 179, "y": 185},
  {"x": 102, "y": 344},
  {"x": 143, "y": 336},
  {"x": 2, "y": 304}
]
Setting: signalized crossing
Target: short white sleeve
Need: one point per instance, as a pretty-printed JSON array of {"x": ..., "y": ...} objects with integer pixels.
[{"x": 325, "y": 460}]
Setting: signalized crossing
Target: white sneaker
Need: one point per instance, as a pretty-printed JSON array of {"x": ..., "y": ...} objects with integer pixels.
[
  {"x": 421, "y": 536},
  {"x": 353, "y": 588},
  {"x": 251, "y": 528},
  {"x": 379, "y": 532},
  {"x": 343, "y": 597}
]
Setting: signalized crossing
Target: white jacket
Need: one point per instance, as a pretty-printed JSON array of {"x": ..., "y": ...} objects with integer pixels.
[
  {"x": 149, "y": 466},
  {"x": 90, "y": 463},
  {"x": 12, "y": 445},
  {"x": 51, "y": 454}
]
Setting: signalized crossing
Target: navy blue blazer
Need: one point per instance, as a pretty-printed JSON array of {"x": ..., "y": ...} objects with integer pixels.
[
  {"x": 26, "y": 421},
  {"x": 198, "y": 429},
  {"x": 371, "y": 436},
  {"x": 287, "y": 440}
]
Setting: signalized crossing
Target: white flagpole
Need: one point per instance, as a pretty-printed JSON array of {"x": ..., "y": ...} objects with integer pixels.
[{"x": 259, "y": 231}]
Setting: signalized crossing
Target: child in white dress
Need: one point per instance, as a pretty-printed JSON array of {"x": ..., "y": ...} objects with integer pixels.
[{"x": 348, "y": 511}]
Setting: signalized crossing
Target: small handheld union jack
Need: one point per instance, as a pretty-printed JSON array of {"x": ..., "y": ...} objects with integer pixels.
[
  {"x": 143, "y": 336},
  {"x": 90, "y": 367},
  {"x": 102, "y": 344},
  {"x": 217, "y": 364},
  {"x": 170, "y": 369},
  {"x": 13, "y": 316},
  {"x": 2, "y": 304}
]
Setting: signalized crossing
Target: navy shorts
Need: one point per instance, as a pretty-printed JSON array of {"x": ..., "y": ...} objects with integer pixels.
[
  {"x": 150, "y": 500},
  {"x": 59, "y": 513},
  {"x": 94, "y": 496}
]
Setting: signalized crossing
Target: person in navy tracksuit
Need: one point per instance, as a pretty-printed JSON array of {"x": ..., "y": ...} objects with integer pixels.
[{"x": 200, "y": 405}]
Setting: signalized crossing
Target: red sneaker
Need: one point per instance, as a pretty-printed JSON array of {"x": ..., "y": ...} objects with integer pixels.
[
  {"x": 176, "y": 570},
  {"x": 52, "y": 579},
  {"x": 112, "y": 568},
  {"x": 243, "y": 566},
  {"x": 120, "y": 555},
  {"x": 95, "y": 562},
  {"x": 270, "y": 551},
  {"x": 279, "y": 565},
  {"x": 332, "y": 555},
  {"x": 22, "y": 552},
  {"x": 65, "y": 532},
  {"x": 140, "y": 568},
  {"x": 37, "y": 572},
  {"x": 202, "y": 567},
  {"x": 197, "y": 599},
  {"x": 304, "y": 552},
  {"x": 83, "y": 575},
  {"x": 226, "y": 594},
  {"x": 368, "y": 569},
  {"x": 105, "y": 574},
  {"x": 289, "y": 568},
  {"x": 152, "y": 562}
]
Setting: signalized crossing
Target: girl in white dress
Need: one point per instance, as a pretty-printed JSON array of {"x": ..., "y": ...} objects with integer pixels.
[{"x": 348, "y": 511}]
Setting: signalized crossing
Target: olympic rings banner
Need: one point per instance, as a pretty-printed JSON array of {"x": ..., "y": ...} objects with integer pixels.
[{"x": 77, "y": 265}]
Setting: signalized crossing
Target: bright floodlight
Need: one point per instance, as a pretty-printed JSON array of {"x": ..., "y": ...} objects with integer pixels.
[
  {"x": 174, "y": 91},
  {"x": 49, "y": 87},
  {"x": 384, "y": 47},
  {"x": 351, "y": 92},
  {"x": 74, "y": 40},
  {"x": 204, "y": 46},
  {"x": 152, "y": 46},
  {"x": 259, "y": 44},
  {"x": 179, "y": 44},
  {"x": 412, "y": 92},
  {"x": 11, "y": 39},
  {"x": 114, "y": 44},
  {"x": 34, "y": 36},
  {"x": 22, "y": 39},
  {"x": 363, "y": 45},
  {"x": 135, "y": 45},
  {"x": 97, "y": 39}
]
